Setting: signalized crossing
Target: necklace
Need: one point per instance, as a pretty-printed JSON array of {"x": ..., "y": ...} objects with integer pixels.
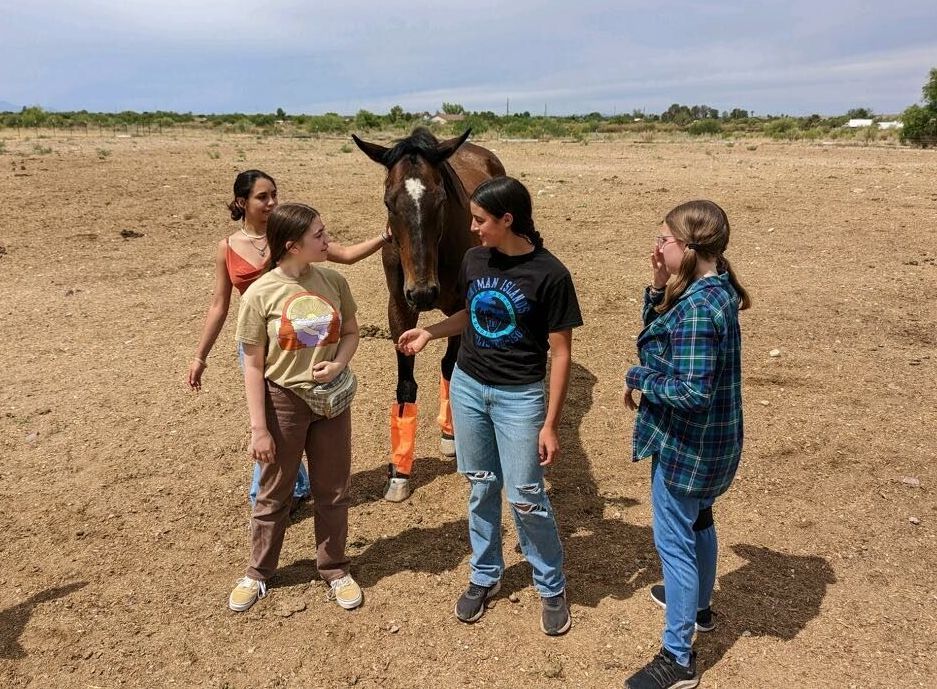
[{"x": 262, "y": 250}]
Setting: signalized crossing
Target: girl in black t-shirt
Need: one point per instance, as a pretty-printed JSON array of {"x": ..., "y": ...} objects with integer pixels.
[{"x": 520, "y": 303}]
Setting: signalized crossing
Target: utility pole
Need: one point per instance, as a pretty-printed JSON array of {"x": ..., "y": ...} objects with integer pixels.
[{"x": 507, "y": 107}]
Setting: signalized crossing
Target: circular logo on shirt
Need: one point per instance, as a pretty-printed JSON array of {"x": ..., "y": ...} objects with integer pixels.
[
  {"x": 308, "y": 320},
  {"x": 493, "y": 314}
]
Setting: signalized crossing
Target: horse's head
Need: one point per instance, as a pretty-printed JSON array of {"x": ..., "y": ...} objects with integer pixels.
[{"x": 419, "y": 183}]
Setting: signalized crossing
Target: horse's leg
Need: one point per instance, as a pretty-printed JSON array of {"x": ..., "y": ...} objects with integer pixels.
[
  {"x": 447, "y": 439},
  {"x": 403, "y": 413}
]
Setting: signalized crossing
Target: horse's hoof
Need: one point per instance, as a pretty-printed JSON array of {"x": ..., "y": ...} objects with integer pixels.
[
  {"x": 447, "y": 446},
  {"x": 397, "y": 490}
]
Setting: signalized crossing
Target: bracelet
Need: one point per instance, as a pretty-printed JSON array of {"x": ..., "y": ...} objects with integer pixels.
[
  {"x": 385, "y": 237},
  {"x": 657, "y": 290},
  {"x": 201, "y": 361}
]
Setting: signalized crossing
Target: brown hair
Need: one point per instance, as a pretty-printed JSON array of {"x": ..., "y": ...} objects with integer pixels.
[
  {"x": 704, "y": 227},
  {"x": 287, "y": 223}
]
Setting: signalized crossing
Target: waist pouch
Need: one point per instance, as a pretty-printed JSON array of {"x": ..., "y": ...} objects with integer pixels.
[{"x": 332, "y": 398}]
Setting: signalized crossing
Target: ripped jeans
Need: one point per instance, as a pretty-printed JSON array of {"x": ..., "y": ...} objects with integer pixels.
[{"x": 497, "y": 430}]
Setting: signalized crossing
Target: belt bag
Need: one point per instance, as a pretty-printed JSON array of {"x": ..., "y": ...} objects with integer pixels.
[{"x": 332, "y": 398}]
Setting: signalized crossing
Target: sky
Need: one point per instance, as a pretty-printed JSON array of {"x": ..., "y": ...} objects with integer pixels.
[{"x": 611, "y": 56}]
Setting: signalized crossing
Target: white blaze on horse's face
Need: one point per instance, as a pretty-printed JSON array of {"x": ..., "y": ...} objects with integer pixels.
[{"x": 415, "y": 189}]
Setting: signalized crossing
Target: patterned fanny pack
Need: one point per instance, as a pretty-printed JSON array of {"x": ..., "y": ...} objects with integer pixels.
[{"x": 332, "y": 398}]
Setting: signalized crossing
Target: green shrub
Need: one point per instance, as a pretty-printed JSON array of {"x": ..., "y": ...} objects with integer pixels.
[
  {"x": 707, "y": 126},
  {"x": 103, "y": 153},
  {"x": 782, "y": 128}
]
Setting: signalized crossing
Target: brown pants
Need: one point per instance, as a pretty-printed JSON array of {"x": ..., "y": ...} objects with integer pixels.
[{"x": 327, "y": 443}]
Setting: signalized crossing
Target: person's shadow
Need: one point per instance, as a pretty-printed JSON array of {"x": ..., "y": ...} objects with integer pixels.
[
  {"x": 14, "y": 620},
  {"x": 773, "y": 594}
]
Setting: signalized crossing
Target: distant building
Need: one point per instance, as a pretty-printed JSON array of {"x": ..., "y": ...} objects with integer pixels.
[
  {"x": 891, "y": 124},
  {"x": 445, "y": 118},
  {"x": 855, "y": 123}
]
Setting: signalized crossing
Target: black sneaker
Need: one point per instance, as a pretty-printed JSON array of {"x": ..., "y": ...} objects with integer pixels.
[
  {"x": 554, "y": 615},
  {"x": 705, "y": 619},
  {"x": 664, "y": 673},
  {"x": 471, "y": 605}
]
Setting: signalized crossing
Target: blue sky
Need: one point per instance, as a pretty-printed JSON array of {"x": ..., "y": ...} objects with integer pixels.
[{"x": 210, "y": 56}]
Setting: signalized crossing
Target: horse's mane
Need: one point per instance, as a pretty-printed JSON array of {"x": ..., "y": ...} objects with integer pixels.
[{"x": 421, "y": 142}]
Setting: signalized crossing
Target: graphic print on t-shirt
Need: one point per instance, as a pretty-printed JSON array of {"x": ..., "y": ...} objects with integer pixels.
[
  {"x": 494, "y": 306},
  {"x": 308, "y": 320}
]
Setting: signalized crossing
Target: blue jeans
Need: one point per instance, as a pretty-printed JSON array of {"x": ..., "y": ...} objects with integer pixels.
[
  {"x": 302, "y": 489},
  {"x": 688, "y": 561},
  {"x": 497, "y": 430}
]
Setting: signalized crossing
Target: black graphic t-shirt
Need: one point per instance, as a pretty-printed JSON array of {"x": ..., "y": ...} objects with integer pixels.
[{"x": 514, "y": 303}]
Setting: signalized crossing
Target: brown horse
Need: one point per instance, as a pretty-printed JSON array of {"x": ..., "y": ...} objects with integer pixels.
[{"x": 426, "y": 193}]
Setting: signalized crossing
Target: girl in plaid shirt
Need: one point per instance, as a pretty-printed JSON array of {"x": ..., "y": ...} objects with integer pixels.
[{"x": 689, "y": 421}]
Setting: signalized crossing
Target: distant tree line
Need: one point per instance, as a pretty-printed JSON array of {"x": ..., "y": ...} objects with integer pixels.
[{"x": 693, "y": 120}]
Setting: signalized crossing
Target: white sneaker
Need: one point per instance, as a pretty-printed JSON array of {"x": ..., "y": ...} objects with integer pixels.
[{"x": 346, "y": 592}]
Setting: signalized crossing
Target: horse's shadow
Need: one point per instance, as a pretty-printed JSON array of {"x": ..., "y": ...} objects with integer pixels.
[{"x": 13, "y": 620}]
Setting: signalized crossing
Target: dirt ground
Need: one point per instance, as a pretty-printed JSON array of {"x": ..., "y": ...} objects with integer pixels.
[{"x": 123, "y": 495}]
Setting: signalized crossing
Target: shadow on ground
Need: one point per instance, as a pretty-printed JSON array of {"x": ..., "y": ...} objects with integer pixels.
[{"x": 14, "y": 620}]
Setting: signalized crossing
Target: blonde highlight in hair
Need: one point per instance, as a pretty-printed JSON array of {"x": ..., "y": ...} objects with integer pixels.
[{"x": 704, "y": 228}]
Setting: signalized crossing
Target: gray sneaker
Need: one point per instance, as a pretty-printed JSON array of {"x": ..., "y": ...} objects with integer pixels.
[
  {"x": 554, "y": 615},
  {"x": 471, "y": 604}
]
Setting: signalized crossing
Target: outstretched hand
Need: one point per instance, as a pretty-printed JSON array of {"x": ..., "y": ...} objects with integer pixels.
[{"x": 413, "y": 341}]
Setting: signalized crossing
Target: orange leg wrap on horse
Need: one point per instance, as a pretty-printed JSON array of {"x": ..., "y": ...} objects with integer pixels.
[
  {"x": 445, "y": 411},
  {"x": 402, "y": 436}
]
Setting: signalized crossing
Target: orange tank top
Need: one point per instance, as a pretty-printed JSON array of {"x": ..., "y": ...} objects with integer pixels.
[{"x": 241, "y": 273}]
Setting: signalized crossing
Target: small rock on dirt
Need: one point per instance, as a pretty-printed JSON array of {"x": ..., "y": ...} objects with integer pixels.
[
  {"x": 130, "y": 234},
  {"x": 32, "y": 438},
  {"x": 764, "y": 403},
  {"x": 774, "y": 353},
  {"x": 914, "y": 520},
  {"x": 514, "y": 598},
  {"x": 911, "y": 481},
  {"x": 393, "y": 629}
]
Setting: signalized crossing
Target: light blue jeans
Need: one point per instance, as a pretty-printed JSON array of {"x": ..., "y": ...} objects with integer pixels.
[
  {"x": 497, "y": 430},
  {"x": 302, "y": 489},
  {"x": 688, "y": 561}
]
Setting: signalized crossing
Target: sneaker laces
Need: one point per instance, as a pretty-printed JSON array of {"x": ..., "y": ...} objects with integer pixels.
[
  {"x": 336, "y": 584},
  {"x": 663, "y": 670},
  {"x": 248, "y": 583}
]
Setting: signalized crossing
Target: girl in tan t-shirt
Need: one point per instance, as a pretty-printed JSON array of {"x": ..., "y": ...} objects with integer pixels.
[{"x": 297, "y": 327}]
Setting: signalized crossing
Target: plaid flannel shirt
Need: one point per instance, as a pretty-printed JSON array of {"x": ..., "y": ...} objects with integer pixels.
[{"x": 690, "y": 378}]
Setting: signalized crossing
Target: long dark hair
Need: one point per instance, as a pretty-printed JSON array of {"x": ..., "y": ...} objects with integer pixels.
[
  {"x": 287, "y": 223},
  {"x": 500, "y": 195},
  {"x": 704, "y": 227},
  {"x": 243, "y": 185}
]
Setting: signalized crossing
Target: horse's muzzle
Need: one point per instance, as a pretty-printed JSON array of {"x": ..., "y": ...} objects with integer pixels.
[{"x": 422, "y": 298}]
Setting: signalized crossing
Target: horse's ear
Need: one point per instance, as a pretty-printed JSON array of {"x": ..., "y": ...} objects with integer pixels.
[
  {"x": 446, "y": 148},
  {"x": 375, "y": 152}
]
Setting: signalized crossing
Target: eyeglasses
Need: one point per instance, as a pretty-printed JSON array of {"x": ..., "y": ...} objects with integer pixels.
[{"x": 664, "y": 238}]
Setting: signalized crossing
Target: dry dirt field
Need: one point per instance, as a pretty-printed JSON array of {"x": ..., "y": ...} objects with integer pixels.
[{"x": 123, "y": 495}]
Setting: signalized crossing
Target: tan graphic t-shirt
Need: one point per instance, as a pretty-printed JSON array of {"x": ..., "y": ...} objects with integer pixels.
[{"x": 299, "y": 322}]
